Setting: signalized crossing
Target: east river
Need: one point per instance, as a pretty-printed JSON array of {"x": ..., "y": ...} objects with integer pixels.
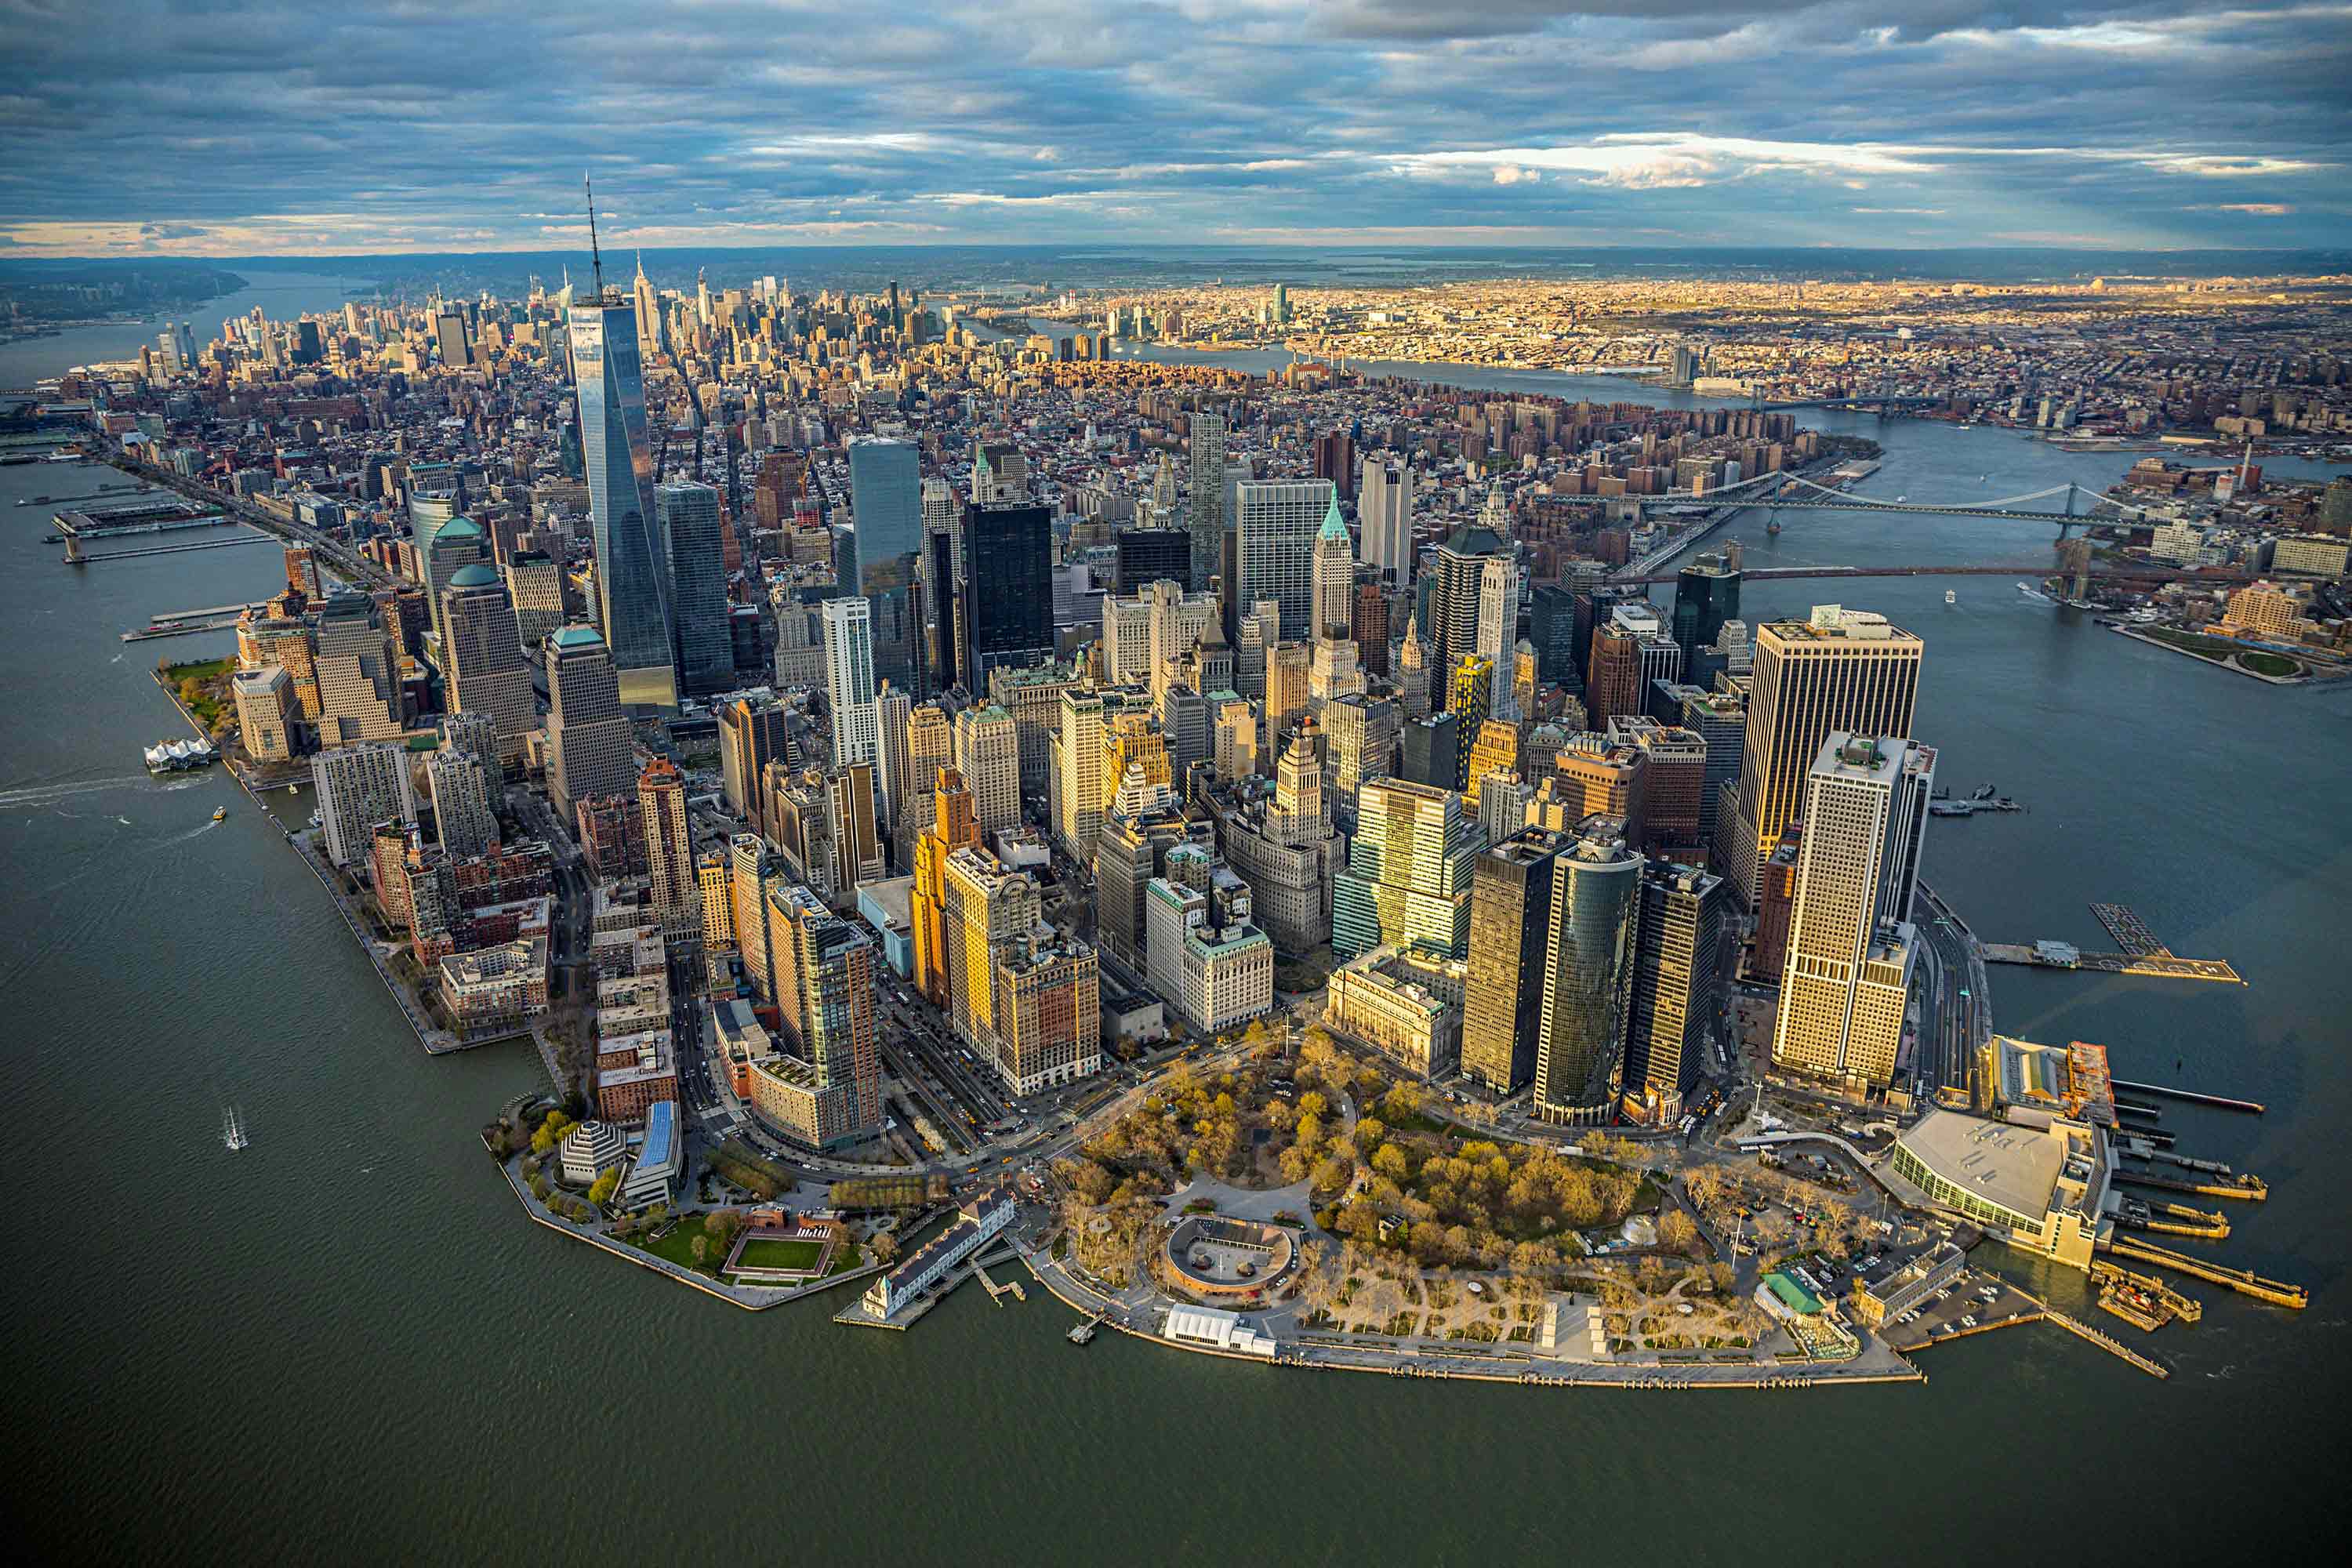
[{"x": 345, "y": 1342}]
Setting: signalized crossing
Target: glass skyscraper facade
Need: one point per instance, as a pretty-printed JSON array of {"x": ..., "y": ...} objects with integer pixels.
[
  {"x": 886, "y": 503},
  {"x": 689, "y": 523},
  {"x": 1588, "y": 979},
  {"x": 1006, "y": 616},
  {"x": 1410, "y": 867},
  {"x": 632, "y": 573}
]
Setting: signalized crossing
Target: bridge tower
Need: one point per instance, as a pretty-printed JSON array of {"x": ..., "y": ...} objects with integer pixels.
[
  {"x": 2075, "y": 563},
  {"x": 2064, "y": 526}
]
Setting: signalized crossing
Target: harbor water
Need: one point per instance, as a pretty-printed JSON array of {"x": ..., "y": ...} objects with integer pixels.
[{"x": 344, "y": 1342}]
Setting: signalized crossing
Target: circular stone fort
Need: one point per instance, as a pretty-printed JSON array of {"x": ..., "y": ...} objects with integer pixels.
[{"x": 1219, "y": 1256}]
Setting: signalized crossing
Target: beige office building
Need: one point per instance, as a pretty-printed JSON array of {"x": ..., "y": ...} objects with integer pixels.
[
  {"x": 1847, "y": 977},
  {"x": 1837, "y": 670}
]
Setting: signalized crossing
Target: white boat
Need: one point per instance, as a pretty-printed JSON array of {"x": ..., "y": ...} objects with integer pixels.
[
  {"x": 233, "y": 1136},
  {"x": 1951, "y": 597}
]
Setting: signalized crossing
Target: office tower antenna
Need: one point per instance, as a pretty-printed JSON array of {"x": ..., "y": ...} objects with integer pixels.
[{"x": 596, "y": 255}]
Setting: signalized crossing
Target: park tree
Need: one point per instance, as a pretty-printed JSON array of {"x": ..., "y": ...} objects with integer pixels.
[
  {"x": 1333, "y": 1173},
  {"x": 1390, "y": 1162},
  {"x": 701, "y": 1248},
  {"x": 1676, "y": 1231},
  {"x": 600, "y": 1192}
]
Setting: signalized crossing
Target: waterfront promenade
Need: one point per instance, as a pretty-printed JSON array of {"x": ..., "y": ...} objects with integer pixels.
[{"x": 1140, "y": 1312}]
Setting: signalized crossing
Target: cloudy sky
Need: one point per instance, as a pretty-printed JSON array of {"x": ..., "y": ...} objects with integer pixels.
[{"x": 210, "y": 127}]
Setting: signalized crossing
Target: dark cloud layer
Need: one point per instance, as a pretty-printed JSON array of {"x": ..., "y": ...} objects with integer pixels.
[{"x": 373, "y": 126}]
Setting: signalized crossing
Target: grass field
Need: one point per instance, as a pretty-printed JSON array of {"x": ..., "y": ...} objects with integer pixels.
[
  {"x": 2271, "y": 664},
  {"x": 791, "y": 1253},
  {"x": 677, "y": 1247}
]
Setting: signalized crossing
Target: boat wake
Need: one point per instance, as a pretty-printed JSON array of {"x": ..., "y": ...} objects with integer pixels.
[{"x": 45, "y": 795}]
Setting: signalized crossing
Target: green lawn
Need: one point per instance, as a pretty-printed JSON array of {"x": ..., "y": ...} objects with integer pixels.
[
  {"x": 2271, "y": 664},
  {"x": 781, "y": 1252},
  {"x": 2191, "y": 642},
  {"x": 677, "y": 1247}
]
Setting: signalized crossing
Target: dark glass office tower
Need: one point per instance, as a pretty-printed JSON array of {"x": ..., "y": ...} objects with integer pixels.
[
  {"x": 688, "y": 515},
  {"x": 632, "y": 573},
  {"x": 1005, "y": 615},
  {"x": 1150, "y": 556},
  {"x": 886, "y": 504},
  {"x": 1510, "y": 938},
  {"x": 1707, "y": 595}
]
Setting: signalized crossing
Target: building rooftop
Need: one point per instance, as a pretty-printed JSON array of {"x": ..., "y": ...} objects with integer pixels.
[
  {"x": 474, "y": 576},
  {"x": 2013, "y": 1167},
  {"x": 661, "y": 1134}
]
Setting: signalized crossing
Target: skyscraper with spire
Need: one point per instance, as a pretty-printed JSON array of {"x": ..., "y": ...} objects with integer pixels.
[
  {"x": 1334, "y": 574},
  {"x": 649, "y": 322},
  {"x": 632, "y": 576}
]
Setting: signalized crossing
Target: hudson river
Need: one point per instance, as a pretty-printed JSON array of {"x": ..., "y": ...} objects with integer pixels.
[{"x": 345, "y": 1343}]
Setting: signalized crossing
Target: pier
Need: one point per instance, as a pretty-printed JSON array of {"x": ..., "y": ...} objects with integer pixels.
[
  {"x": 2244, "y": 1282},
  {"x": 2131, "y": 933},
  {"x": 2220, "y": 1102},
  {"x": 2158, "y": 1300},
  {"x": 996, "y": 1293},
  {"x": 2252, "y": 1189},
  {"x": 2113, "y": 1347},
  {"x": 73, "y": 556},
  {"x": 2142, "y": 955},
  {"x": 2063, "y": 955},
  {"x": 2174, "y": 1219}
]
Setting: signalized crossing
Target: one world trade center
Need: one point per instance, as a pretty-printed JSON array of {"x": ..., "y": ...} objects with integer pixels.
[{"x": 632, "y": 584}]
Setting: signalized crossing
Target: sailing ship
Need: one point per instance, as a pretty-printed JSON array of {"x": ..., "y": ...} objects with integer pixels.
[{"x": 233, "y": 1135}]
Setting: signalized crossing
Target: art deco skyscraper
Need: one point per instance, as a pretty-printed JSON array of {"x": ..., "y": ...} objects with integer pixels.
[
  {"x": 1334, "y": 577},
  {"x": 632, "y": 570},
  {"x": 1837, "y": 670}
]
